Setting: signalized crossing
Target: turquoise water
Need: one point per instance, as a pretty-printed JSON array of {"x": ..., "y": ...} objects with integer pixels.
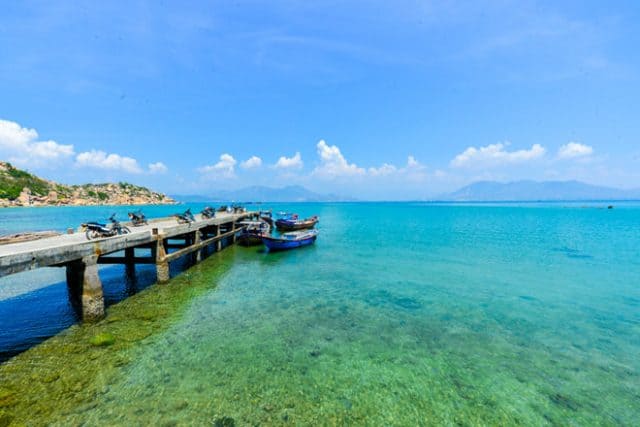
[{"x": 401, "y": 314}]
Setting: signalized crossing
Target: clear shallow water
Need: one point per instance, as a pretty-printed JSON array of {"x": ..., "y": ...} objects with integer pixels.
[
  {"x": 401, "y": 314},
  {"x": 34, "y": 304}
]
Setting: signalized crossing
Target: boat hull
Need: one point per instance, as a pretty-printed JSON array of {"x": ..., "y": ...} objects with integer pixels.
[
  {"x": 289, "y": 225},
  {"x": 275, "y": 244},
  {"x": 252, "y": 232}
]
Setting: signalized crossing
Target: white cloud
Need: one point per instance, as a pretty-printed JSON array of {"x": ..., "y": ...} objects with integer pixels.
[
  {"x": 22, "y": 147},
  {"x": 157, "y": 168},
  {"x": 496, "y": 154},
  {"x": 384, "y": 170},
  {"x": 413, "y": 168},
  {"x": 225, "y": 168},
  {"x": 413, "y": 165},
  {"x": 101, "y": 160},
  {"x": 440, "y": 174},
  {"x": 333, "y": 164},
  {"x": 294, "y": 162},
  {"x": 573, "y": 150},
  {"x": 49, "y": 150},
  {"x": 252, "y": 162}
]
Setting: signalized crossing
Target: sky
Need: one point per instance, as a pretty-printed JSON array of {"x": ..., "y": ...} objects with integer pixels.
[{"x": 369, "y": 99}]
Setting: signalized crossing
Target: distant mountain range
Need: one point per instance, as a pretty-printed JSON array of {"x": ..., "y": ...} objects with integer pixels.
[
  {"x": 257, "y": 193},
  {"x": 538, "y": 191},
  {"x": 482, "y": 191}
]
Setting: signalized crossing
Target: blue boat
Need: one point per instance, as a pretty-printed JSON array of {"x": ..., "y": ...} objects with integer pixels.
[
  {"x": 292, "y": 222},
  {"x": 291, "y": 240}
]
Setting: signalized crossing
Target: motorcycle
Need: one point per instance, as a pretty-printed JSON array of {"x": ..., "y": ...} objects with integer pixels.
[
  {"x": 137, "y": 218},
  {"x": 208, "y": 213},
  {"x": 95, "y": 230},
  {"x": 185, "y": 218}
]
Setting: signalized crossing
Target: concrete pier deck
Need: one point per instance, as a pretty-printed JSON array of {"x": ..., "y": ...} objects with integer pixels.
[{"x": 81, "y": 257}]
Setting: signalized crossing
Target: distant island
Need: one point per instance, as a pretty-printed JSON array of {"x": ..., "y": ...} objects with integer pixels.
[
  {"x": 20, "y": 188},
  {"x": 520, "y": 191},
  {"x": 257, "y": 193}
]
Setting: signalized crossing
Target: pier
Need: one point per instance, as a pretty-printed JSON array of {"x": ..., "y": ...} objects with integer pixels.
[{"x": 161, "y": 241}]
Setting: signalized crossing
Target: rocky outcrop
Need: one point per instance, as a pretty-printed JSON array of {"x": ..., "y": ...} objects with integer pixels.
[{"x": 20, "y": 188}]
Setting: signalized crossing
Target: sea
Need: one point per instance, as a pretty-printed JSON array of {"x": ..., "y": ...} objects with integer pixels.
[{"x": 401, "y": 314}]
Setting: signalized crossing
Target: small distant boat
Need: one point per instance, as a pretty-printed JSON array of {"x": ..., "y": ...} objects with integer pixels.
[
  {"x": 252, "y": 233},
  {"x": 291, "y": 240},
  {"x": 292, "y": 223}
]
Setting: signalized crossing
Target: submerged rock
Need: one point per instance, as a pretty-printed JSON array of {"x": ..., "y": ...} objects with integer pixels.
[
  {"x": 181, "y": 405},
  {"x": 147, "y": 315},
  {"x": 5, "y": 420},
  {"x": 102, "y": 339},
  {"x": 51, "y": 377},
  {"x": 408, "y": 303},
  {"x": 224, "y": 422},
  {"x": 346, "y": 403},
  {"x": 7, "y": 398},
  {"x": 564, "y": 401}
]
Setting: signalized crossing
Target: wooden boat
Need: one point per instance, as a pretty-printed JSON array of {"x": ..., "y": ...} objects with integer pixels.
[
  {"x": 252, "y": 232},
  {"x": 292, "y": 222},
  {"x": 267, "y": 216},
  {"x": 291, "y": 240}
]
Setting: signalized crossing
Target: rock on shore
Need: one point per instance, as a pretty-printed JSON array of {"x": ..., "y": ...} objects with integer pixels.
[{"x": 20, "y": 188}]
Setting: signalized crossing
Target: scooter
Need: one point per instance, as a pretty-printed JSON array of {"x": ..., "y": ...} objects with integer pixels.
[
  {"x": 95, "y": 230},
  {"x": 208, "y": 213},
  {"x": 185, "y": 218},
  {"x": 137, "y": 218}
]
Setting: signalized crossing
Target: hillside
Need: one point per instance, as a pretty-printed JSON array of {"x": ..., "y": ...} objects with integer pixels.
[
  {"x": 20, "y": 188},
  {"x": 538, "y": 191}
]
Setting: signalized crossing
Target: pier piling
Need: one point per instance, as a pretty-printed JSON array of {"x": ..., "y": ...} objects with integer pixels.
[
  {"x": 85, "y": 287},
  {"x": 197, "y": 238},
  {"x": 162, "y": 265}
]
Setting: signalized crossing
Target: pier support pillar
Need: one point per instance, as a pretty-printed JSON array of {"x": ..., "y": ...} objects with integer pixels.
[
  {"x": 233, "y": 236},
  {"x": 130, "y": 266},
  {"x": 197, "y": 238},
  {"x": 218, "y": 242},
  {"x": 85, "y": 288},
  {"x": 162, "y": 265}
]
